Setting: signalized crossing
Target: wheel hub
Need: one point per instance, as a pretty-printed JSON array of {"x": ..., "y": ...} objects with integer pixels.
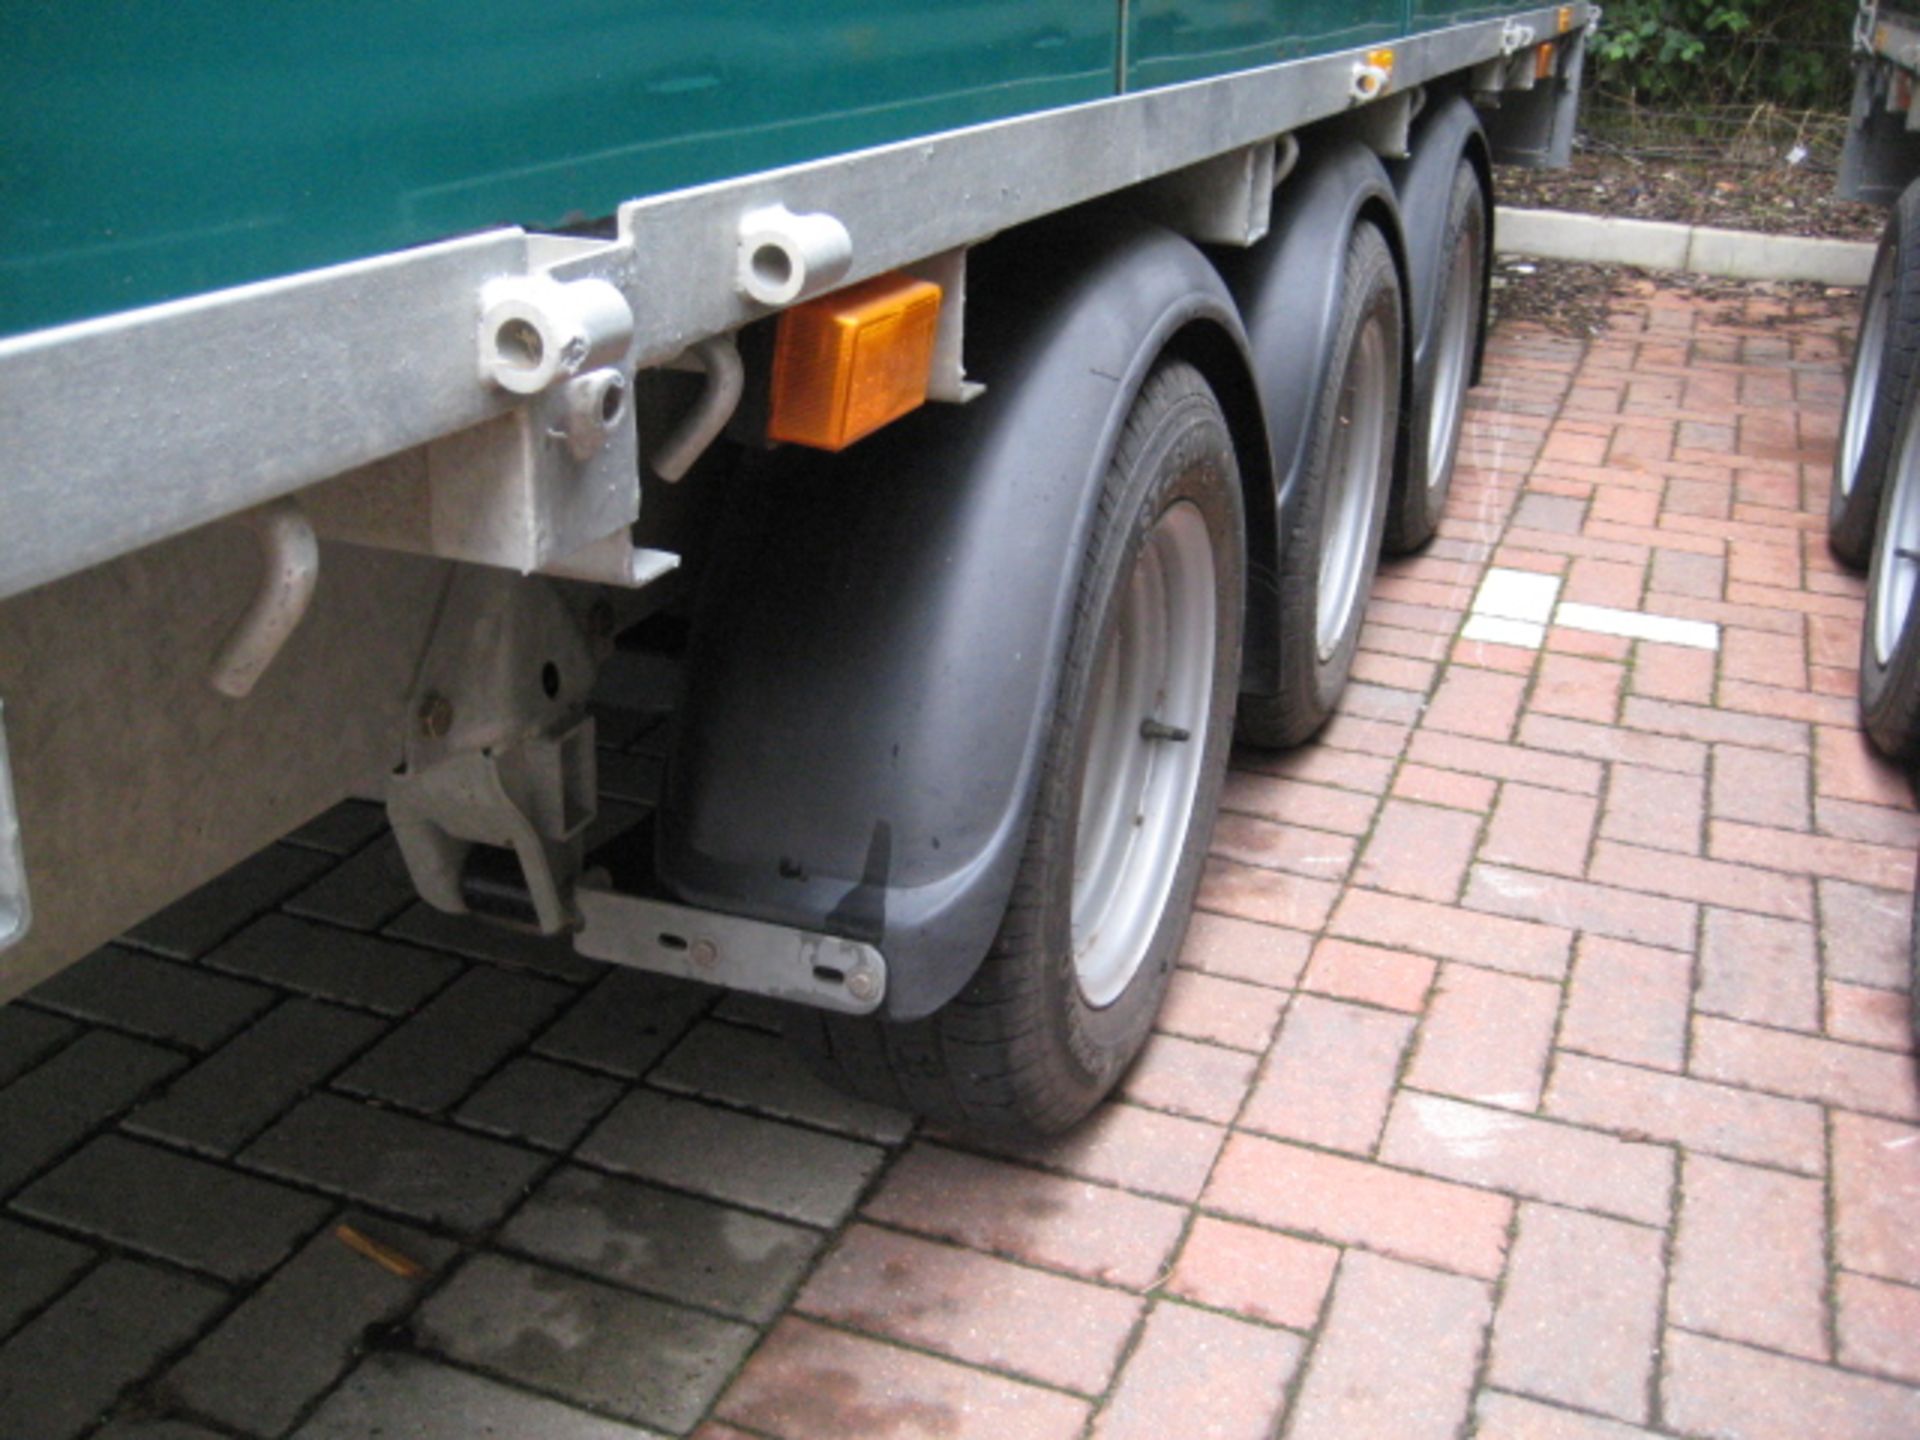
[
  {"x": 1454, "y": 359},
  {"x": 1353, "y": 481},
  {"x": 1151, "y": 693}
]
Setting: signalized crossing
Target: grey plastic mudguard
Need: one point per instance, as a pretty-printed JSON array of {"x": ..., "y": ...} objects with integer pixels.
[
  {"x": 1424, "y": 182},
  {"x": 1288, "y": 289},
  {"x": 875, "y": 656}
]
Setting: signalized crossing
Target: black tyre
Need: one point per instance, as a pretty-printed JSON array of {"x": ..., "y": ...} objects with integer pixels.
[
  {"x": 1879, "y": 380},
  {"x": 1444, "y": 372},
  {"x": 1331, "y": 531},
  {"x": 1890, "y": 633},
  {"x": 1131, "y": 777}
]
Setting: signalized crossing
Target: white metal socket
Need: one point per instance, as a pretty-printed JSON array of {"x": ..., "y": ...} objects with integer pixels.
[
  {"x": 1368, "y": 80},
  {"x": 784, "y": 255},
  {"x": 536, "y": 331},
  {"x": 594, "y": 404}
]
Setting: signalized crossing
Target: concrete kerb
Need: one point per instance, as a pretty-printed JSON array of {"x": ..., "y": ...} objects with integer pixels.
[{"x": 1700, "y": 249}]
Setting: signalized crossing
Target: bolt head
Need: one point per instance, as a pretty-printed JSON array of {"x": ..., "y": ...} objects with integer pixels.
[
  {"x": 705, "y": 954},
  {"x": 436, "y": 716},
  {"x": 863, "y": 985}
]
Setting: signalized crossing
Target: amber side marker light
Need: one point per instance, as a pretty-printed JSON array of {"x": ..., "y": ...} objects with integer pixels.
[
  {"x": 850, "y": 362},
  {"x": 1566, "y": 18},
  {"x": 1543, "y": 61}
]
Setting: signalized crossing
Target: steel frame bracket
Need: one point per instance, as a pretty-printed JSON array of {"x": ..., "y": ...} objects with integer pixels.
[
  {"x": 801, "y": 966},
  {"x": 535, "y": 798},
  {"x": 501, "y": 750},
  {"x": 1386, "y": 126},
  {"x": 1227, "y": 200}
]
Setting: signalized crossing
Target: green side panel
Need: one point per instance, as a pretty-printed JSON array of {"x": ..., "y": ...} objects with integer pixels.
[
  {"x": 153, "y": 151},
  {"x": 1433, "y": 14},
  {"x": 1169, "y": 41}
]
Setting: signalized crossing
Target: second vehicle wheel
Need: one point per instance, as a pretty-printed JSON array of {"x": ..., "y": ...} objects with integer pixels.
[
  {"x": 1890, "y": 636},
  {"x": 1131, "y": 777},
  {"x": 1444, "y": 372},
  {"x": 1878, "y": 385},
  {"x": 1331, "y": 540}
]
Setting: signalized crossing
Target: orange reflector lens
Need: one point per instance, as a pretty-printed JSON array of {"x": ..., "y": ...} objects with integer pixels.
[
  {"x": 1566, "y": 18},
  {"x": 1543, "y": 61},
  {"x": 1381, "y": 60},
  {"x": 848, "y": 363}
]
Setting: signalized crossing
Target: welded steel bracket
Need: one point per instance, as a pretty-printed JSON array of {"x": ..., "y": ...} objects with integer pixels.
[
  {"x": 825, "y": 971},
  {"x": 535, "y": 799},
  {"x": 501, "y": 749},
  {"x": 1227, "y": 200},
  {"x": 16, "y": 910},
  {"x": 554, "y": 473}
]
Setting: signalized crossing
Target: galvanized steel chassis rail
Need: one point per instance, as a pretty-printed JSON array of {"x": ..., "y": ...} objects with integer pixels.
[{"x": 121, "y": 431}]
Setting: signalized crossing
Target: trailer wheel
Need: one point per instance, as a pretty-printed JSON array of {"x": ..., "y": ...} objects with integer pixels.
[
  {"x": 1332, "y": 533},
  {"x": 1890, "y": 636},
  {"x": 1131, "y": 778},
  {"x": 1877, "y": 384},
  {"x": 1445, "y": 372}
]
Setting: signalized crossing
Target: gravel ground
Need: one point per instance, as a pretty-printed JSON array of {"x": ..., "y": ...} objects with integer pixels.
[
  {"x": 1572, "y": 299},
  {"x": 1777, "y": 199}
]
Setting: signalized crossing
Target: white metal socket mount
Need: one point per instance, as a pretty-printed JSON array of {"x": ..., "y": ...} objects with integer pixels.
[
  {"x": 784, "y": 256},
  {"x": 536, "y": 331}
]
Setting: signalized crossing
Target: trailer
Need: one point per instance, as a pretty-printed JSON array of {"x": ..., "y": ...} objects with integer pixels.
[{"x": 982, "y": 411}]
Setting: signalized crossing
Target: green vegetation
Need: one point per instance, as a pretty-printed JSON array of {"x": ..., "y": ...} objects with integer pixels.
[{"x": 1682, "y": 55}]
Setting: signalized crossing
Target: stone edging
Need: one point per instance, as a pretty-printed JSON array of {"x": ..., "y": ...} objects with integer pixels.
[{"x": 1702, "y": 249}]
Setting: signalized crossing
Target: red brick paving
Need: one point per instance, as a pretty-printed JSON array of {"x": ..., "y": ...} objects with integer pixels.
[
  {"x": 809, "y": 1382},
  {"x": 1260, "y": 1274},
  {"x": 1201, "y": 1374},
  {"x": 972, "y": 1307},
  {"x": 1593, "y": 1114},
  {"x": 1051, "y": 1221},
  {"x": 1750, "y": 1263},
  {"x": 1628, "y": 1002},
  {"x": 1565, "y": 1263}
]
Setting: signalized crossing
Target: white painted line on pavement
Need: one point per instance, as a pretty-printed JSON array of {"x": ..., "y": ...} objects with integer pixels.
[
  {"x": 1496, "y": 631},
  {"x": 1635, "y": 625},
  {"x": 1517, "y": 595}
]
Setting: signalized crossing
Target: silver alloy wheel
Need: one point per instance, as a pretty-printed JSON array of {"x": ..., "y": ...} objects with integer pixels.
[
  {"x": 1454, "y": 359},
  {"x": 1868, "y": 353},
  {"x": 1151, "y": 694},
  {"x": 1895, "y": 568},
  {"x": 1353, "y": 482}
]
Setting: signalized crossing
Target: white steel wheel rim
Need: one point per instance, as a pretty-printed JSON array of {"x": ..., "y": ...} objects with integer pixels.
[
  {"x": 1454, "y": 359},
  {"x": 1868, "y": 354},
  {"x": 1153, "y": 684},
  {"x": 1895, "y": 568},
  {"x": 1353, "y": 482}
]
